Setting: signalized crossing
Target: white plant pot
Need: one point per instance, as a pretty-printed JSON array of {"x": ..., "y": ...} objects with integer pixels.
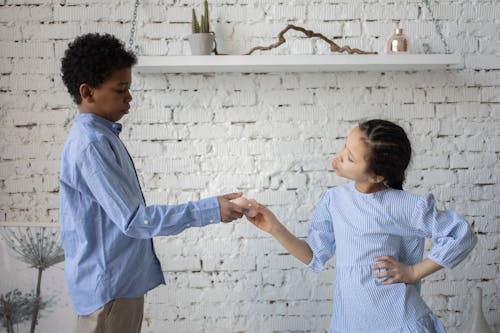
[{"x": 202, "y": 43}]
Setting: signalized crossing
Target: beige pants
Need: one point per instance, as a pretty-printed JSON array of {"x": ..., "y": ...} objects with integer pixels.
[{"x": 122, "y": 315}]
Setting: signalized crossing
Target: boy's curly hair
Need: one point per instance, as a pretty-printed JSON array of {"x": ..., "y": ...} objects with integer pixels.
[{"x": 91, "y": 58}]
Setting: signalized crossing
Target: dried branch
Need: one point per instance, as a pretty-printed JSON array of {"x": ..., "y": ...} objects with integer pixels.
[
  {"x": 39, "y": 250},
  {"x": 333, "y": 47},
  {"x": 16, "y": 307}
]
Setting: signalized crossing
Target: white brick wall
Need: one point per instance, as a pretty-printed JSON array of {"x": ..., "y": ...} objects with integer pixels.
[{"x": 271, "y": 136}]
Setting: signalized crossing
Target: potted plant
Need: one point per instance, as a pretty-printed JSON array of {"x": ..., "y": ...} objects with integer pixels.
[{"x": 202, "y": 41}]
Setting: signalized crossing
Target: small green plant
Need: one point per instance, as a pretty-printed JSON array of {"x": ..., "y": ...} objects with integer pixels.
[{"x": 205, "y": 25}]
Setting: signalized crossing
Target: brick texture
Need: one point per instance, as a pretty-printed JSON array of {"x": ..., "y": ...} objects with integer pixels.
[{"x": 269, "y": 135}]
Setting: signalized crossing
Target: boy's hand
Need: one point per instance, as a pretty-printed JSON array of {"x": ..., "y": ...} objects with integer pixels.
[
  {"x": 265, "y": 219},
  {"x": 396, "y": 271},
  {"x": 230, "y": 211}
]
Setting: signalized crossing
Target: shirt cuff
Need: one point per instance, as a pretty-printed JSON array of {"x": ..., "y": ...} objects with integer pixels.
[
  {"x": 208, "y": 211},
  {"x": 315, "y": 265},
  {"x": 450, "y": 263}
]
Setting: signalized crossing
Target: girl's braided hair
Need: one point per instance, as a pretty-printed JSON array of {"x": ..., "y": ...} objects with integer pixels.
[{"x": 390, "y": 151}]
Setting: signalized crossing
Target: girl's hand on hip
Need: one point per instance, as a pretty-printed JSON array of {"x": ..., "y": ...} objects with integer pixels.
[{"x": 395, "y": 271}]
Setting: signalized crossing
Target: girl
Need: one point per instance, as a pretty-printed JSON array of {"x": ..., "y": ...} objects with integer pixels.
[{"x": 377, "y": 231}]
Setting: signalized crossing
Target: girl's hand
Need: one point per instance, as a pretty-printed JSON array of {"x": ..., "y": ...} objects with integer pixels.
[
  {"x": 265, "y": 219},
  {"x": 396, "y": 271}
]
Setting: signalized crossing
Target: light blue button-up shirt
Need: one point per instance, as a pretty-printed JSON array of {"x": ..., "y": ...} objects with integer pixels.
[{"x": 106, "y": 227}]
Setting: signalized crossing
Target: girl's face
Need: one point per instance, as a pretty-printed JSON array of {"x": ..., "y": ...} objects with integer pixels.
[{"x": 352, "y": 161}]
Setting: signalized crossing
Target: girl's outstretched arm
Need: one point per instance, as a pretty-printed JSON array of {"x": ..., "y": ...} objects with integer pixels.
[{"x": 268, "y": 222}]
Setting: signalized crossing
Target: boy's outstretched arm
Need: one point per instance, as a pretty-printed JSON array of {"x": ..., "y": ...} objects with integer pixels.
[{"x": 268, "y": 222}]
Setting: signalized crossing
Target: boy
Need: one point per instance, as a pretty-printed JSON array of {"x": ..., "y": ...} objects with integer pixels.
[{"x": 106, "y": 227}]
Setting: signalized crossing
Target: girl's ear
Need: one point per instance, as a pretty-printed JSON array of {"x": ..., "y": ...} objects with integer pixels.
[
  {"x": 86, "y": 92},
  {"x": 377, "y": 179}
]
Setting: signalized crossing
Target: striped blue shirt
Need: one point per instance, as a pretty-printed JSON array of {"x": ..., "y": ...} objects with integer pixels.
[
  {"x": 106, "y": 227},
  {"x": 358, "y": 227}
]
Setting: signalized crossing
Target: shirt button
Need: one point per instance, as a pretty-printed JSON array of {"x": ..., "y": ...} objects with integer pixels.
[{"x": 146, "y": 222}]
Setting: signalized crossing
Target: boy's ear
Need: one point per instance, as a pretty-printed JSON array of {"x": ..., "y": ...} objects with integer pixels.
[{"x": 86, "y": 92}]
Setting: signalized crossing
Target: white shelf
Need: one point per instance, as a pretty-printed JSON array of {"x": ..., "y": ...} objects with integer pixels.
[
  {"x": 15, "y": 224},
  {"x": 296, "y": 63}
]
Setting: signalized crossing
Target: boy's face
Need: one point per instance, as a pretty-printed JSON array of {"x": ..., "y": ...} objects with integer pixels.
[{"x": 111, "y": 100}]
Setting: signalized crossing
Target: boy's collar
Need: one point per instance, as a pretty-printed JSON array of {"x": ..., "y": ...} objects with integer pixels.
[{"x": 91, "y": 117}]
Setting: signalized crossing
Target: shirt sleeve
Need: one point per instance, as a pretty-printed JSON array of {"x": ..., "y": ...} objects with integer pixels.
[
  {"x": 114, "y": 190},
  {"x": 321, "y": 237},
  {"x": 452, "y": 236}
]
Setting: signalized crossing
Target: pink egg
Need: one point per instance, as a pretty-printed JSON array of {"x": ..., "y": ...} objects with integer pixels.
[
  {"x": 245, "y": 203},
  {"x": 252, "y": 212}
]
